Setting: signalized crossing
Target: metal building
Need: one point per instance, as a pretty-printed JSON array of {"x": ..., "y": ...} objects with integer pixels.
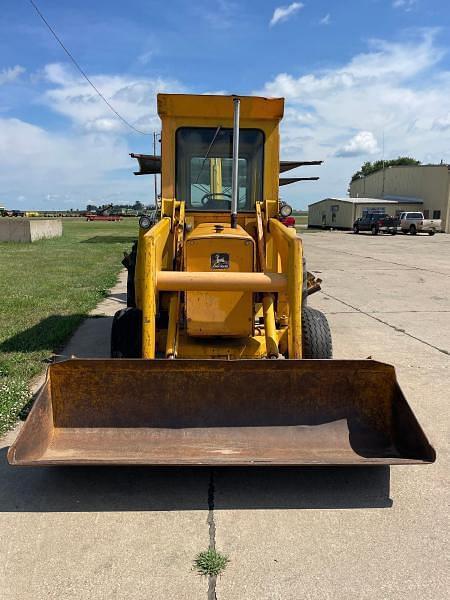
[
  {"x": 429, "y": 184},
  {"x": 341, "y": 213}
]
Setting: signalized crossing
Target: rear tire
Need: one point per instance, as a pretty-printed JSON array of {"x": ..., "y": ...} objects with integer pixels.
[
  {"x": 431, "y": 232},
  {"x": 126, "y": 334},
  {"x": 374, "y": 230},
  {"x": 316, "y": 334},
  {"x": 355, "y": 229},
  {"x": 413, "y": 230}
]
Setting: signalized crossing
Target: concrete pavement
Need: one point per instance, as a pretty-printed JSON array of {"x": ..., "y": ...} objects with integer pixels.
[
  {"x": 341, "y": 534},
  {"x": 103, "y": 534},
  {"x": 358, "y": 534}
]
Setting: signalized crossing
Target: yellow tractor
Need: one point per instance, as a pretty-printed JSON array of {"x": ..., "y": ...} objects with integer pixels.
[{"x": 217, "y": 360}]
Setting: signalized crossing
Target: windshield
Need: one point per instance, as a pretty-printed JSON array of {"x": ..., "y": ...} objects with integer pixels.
[{"x": 204, "y": 166}]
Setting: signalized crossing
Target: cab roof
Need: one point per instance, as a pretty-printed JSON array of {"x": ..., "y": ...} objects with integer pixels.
[{"x": 219, "y": 107}]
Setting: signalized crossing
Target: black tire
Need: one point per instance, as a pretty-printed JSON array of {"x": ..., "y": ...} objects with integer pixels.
[
  {"x": 413, "y": 230},
  {"x": 130, "y": 263},
  {"x": 126, "y": 334},
  {"x": 374, "y": 230},
  {"x": 316, "y": 334},
  {"x": 431, "y": 232},
  {"x": 355, "y": 229}
]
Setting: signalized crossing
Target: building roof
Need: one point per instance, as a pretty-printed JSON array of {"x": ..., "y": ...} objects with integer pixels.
[
  {"x": 404, "y": 199},
  {"x": 357, "y": 200},
  {"x": 385, "y": 200}
]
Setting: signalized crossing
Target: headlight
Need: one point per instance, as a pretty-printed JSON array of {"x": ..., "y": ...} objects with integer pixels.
[
  {"x": 285, "y": 210},
  {"x": 145, "y": 222}
]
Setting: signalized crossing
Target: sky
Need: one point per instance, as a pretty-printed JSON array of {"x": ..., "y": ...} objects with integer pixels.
[{"x": 356, "y": 75}]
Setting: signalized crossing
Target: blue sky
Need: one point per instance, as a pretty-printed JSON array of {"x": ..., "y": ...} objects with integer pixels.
[{"x": 350, "y": 71}]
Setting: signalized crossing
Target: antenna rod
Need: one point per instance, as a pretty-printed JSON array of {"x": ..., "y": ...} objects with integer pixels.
[{"x": 235, "y": 169}]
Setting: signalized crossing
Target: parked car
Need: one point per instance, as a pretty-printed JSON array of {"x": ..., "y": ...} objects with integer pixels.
[
  {"x": 4, "y": 212},
  {"x": 414, "y": 222},
  {"x": 376, "y": 223}
]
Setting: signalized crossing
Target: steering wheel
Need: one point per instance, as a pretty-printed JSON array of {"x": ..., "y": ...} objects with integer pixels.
[{"x": 207, "y": 197}]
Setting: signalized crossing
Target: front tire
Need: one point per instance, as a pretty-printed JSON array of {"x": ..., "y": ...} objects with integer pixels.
[
  {"x": 355, "y": 229},
  {"x": 126, "y": 334},
  {"x": 374, "y": 230},
  {"x": 316, "y": 334}
]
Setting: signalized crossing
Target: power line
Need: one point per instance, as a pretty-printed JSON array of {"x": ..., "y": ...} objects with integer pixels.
[{"x": 83, "y": 73}]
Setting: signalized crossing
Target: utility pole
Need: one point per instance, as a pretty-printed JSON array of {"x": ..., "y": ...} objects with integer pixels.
[
  {"x": 382, "y": 191},
  {"x": 155, "y": 176}
]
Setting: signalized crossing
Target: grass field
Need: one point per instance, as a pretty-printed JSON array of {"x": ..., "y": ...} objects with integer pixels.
[
  {"x": 301, "y": 220},
  {"x": 46, "y": 290}
]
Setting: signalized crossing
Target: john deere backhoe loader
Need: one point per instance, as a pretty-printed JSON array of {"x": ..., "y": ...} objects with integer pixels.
[{"x": 218, "y": 360}]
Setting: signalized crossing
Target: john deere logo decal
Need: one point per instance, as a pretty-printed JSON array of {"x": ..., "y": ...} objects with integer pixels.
[{"x": 220, "y": 261}]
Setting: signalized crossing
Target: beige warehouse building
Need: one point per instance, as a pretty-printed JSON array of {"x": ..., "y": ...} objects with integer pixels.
[
  {"x": 341, "y": 213},
  {"x": 428, "y": 185}
]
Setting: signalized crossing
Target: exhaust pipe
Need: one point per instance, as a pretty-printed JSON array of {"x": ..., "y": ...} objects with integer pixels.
[{"x": 235, "y": 164}]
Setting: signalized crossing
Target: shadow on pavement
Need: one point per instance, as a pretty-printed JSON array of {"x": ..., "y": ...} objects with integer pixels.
[
  {"x": 83, "y": 489},
  {"x": 119, "y": 297}
]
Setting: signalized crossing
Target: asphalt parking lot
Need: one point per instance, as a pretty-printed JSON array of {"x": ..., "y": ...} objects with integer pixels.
[{"x": 341, "y": 534}]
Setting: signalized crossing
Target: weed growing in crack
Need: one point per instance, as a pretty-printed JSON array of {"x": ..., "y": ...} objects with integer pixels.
[{"x": 210, "y": 562}]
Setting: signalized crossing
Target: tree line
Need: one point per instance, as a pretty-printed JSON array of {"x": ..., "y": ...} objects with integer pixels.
[{"x": 372, "y": 167}]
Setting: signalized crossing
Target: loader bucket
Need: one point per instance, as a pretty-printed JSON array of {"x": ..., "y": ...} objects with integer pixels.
[{"x": 214, "y": 412}]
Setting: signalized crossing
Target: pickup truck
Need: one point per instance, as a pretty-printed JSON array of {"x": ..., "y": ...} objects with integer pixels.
[
  {"x": 376, "y": 223},
  {"x": 414, "y": 222}
]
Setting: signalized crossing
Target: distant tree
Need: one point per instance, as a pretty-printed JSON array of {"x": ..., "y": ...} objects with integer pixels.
[
  {"x": 368, "y": 167},
  {"x": 138, "y": 206},
  {"x": 91, "y": 207}
]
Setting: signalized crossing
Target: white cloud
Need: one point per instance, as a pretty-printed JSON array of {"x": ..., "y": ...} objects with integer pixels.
[
  {"x": 326, "y": 20},
  {"x": 398, "y": 88},
  {"x": 282, "y": 13},
  {"x": 442, "y": 123},
  {"x": 335, "y": 114},
  {"x": 11, "y": 74},
  {"x": 386, "y": 62},
  {"x": 88, "y": 161},
  {"x": 361, "y": 144},
  {"x": 133, "y": 98},
  {"x": 406, "y": 5},
  {"x": 56, "y": 160}
]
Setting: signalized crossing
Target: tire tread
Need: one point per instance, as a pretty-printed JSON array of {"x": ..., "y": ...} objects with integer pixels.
[{"x": 316, "y": 334}]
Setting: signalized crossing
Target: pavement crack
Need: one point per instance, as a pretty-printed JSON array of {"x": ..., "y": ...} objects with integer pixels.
[
  {"x": 390, "y": 262},
  {"x": 394, "y": 327},
  {"x": 212, "y": 579}
]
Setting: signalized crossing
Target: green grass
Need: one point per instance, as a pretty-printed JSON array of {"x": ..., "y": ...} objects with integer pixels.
[
  {"x": 210, "y": 562},
  {"x": 46, "y": 290},
  {"x": 301, "y": 220}
]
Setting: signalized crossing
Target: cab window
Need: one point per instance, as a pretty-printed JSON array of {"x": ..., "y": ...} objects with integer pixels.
[{"x": 204, "y": 167}]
